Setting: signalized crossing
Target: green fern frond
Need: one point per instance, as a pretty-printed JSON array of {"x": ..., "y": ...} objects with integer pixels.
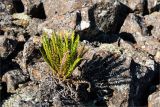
[
  {"x": 62, "y": 53},
  {"x": 47, "y": 48},
  {"x": 72, "y": 67}
]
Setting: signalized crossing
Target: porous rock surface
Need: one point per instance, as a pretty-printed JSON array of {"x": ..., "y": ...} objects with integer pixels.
[{"x": 121, "y": 67}]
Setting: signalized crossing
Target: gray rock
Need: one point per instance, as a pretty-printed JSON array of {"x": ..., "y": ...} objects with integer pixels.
[
  {"x": 132, "y": 4},
  {"x": 32, "y": 28},
  {"x": 108, "y": 16},
  {"x": 61, "y": 7},
  {"x": 5, "y": 20},
  {"x": 131, "y": 25},
  {"x": 6, "y": 6},
  {"x": 7, "y": 45},
  {"x": 153, "y": 99},
  {"x": 13, "y": 78},
  {"x": 86, "y": 16},
  {"x": 157, "y": 56},
  {"x": 151, "y": 5},
  {"x": 153, "y": 20},
  {"x": 135, "y": 31},
  {"x": 109, "y": 83},
  {"x": 29, "y": 4},
  {"x": 28, "y": 54},
  {"x": 24, "y": 97},
  {"x": 38, "y": 70},
  {"x": 59, "y": 23}
]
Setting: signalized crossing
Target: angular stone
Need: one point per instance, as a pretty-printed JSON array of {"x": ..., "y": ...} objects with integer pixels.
[
  {"x": 7, "y": 45},
  {"x": 131, "y": 25},
  {"x": 6, "y": 6},
  {"x": 13, "y": 78},
  {"x": 38, "y": 70},
  {"x": 25, "y": 97},
  {"x": 61, "y": 7},
  {"x": 133, "y": 3},
  {"x": 108, "y": 16},
  {"x": 154, "y": 99},
  {"x": 85, "y": 15},
  {"x": 59, "y": 23},
  {"x": 135, "y": 31},
  {"x": 157, "y": 56},
  {"x": 29, "y": 51},
  {"x": 151, "y": 5},
  {"x": 119, "y": 98},
  {"x": 153, "y": 23},
  {"x": 131, "y": 30},
  {"x": 32, "y": 28}
]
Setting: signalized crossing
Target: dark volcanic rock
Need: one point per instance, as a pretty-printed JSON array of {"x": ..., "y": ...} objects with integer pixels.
[
  {"x": 32, "y": 28},
  {"x": 24, "y": 97},
  {"x": 108, "y": 16},
  {"x": 7, "y": 45},
  {"x": 29, "y": 53},
  {"x": 113, "y": 75},
  {"x": 89, "y": 20},
  {"x": 13, "y": 78},
  {"x": 6, "y": 6},
  {"x": 38, "y": 70}
]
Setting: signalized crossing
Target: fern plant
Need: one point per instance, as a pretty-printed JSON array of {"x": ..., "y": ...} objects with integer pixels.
[{"x": 62, "y": 53}]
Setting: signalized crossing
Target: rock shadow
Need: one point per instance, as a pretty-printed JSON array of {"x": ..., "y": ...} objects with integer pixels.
[
  {"x": 18, "y": 6},
  {"x": 142, "y": 85},
  {"x": 155, "y": 8},
  {"x": 128, "y": 37},
  {"x": 38, "y": 11},
  {"x": 98, "y": 71}
]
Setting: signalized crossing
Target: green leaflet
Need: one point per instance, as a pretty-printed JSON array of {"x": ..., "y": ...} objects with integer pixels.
[{"x": 72, "y": 67}]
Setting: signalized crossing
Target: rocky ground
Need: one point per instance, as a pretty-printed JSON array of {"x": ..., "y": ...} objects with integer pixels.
[{"x": 121, "y": 67}]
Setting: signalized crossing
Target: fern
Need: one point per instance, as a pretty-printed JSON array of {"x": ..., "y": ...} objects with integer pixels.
[{"x": 62, "y": 53}]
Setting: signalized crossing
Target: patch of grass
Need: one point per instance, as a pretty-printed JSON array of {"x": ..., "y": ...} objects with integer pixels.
[{"x": 62, "y": 53}]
